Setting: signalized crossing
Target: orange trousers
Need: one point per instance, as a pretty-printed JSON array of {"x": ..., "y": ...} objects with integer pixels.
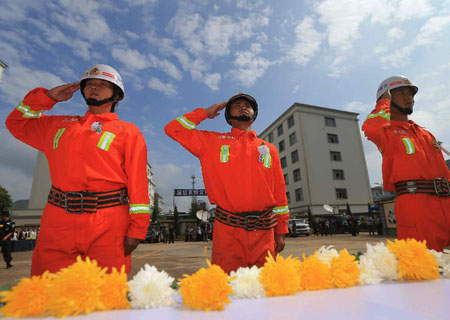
[
  {"x": 236, "y": 247},
  {"x": 63, "y": 237},
  {"x": 424, "y": 217}
]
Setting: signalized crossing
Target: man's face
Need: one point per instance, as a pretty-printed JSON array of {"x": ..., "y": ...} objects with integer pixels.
[
  {"x": 403, "y": 96},
  {"x": 241, "y": 107},
  {"x": 98, "y": 89}
]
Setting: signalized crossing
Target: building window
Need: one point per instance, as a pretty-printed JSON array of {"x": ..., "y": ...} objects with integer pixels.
[
  {"x": 281, "y": 146},
  {"x": 292, "y": 139},
  {"x": 335, "y": 156},
  {"x": 299, "y": 194},
  {"x": 290, "y": 121},
  {"x": 288, "y": 197},
  {"x": 294, "y": 156},
  {"x": 341, "y": 194},
  {"x": 283, "y": 162},
  {"x": 332, "y": 138},
  {"x": 270, "y": 137},
  {"x": 338, "y": 174},
  {"x": 330, "y": 122},
  {"x": 286, "y": 179},
  {"x": 297, "y": 175},
  {"x": 280, "y": 129}
]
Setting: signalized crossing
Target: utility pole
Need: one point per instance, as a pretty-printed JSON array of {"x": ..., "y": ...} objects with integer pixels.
[
  {"x": 2, "y": 66},
  {"x": 194, "y": 199}
]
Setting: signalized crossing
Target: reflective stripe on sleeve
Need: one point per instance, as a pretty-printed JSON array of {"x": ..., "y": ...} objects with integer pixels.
[
  {"x": 224, "y": 153},
  {"x": 140, "y": 208},
  {"x": 280, "y": 210},
  {"x": 106, "y": 140},
  {"x": 27, "y": 112},
  {"x": 57, "y": 136},
  {"x": 382, "y": 113},
  {"x": 186, "y": 123},
  {"x": 409, "y": 146},
  {"x": 267, "y": 160}
]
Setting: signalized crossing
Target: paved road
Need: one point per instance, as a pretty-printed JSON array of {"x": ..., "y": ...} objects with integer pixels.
[{"x": 187, "y": 257}]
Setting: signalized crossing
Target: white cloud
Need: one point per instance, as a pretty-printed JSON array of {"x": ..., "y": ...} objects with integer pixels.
[
  {"x": 134, "y": 3},
  {"x": 430, "y": 34},
  {"x": 359, "y": 107},
  {"x": 307, "y": 41},
  {"x": 215, "y": 35},
  {"x": 131, "y": 35},
  {"x": 396, "y": 33},
  {"x": 166, "y": 66},
  {"x": 83, "y": 17},
  {"x": 131, "y": 58},
  {"x": 18, "y": 80},
  {"x": 250, "y": 66},
  {"x": 166, "y": 88},
  {"x": 212, "y": 81}
]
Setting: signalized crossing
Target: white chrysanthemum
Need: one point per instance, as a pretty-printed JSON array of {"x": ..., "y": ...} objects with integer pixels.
[
  {"x": 443, "y": 258},
  {"x": 151, "y": 288},
  {"x": 246, "y": 283},
  {"x": 326, "y": 254},
  {"x": 378, "y": 264}
]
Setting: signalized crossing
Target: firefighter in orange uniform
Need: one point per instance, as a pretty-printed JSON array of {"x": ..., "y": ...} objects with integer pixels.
[
  {"x": 413, "y": 165},
  {"x": 243, "y": 177},
  {"x": 98, "y": 205}
]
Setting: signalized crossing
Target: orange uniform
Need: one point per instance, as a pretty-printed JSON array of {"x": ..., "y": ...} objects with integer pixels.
[
  {"x": 108, "y": 155},
  {"x": 239, "y": 177},
  {"x": 411, "y": 153}
]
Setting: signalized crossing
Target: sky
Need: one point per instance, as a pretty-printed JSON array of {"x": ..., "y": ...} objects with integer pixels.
[{"x": 175, "y": 56}]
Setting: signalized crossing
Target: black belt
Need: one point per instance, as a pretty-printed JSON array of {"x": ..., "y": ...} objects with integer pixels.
[
  {"x": 84, "y": 201},
  {"x": 250, "y": 221},
  {"x": 438, "y": 187}
]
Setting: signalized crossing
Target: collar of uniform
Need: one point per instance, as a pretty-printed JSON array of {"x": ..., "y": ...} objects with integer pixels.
[
  {"x": 403, "y": 124},
  {"x": 103, "y": 116},
  {"x": 238, "y": 132}
]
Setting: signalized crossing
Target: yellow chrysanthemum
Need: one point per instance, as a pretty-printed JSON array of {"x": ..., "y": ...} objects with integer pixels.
[
  {"x": 344, "y": 270},
  {"x": 314, "y": 274},
  {"x": 415, "y": 262},
  {"x": 280, "y": 277},
  {"x": 76, "y": 289},
  {"x": 28, "y": 298},
  {"x": 113, "y": 291},
  {"x": 207, "y": 289}
]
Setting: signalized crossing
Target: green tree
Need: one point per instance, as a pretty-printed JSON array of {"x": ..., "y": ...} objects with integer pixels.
[
  {"x": 156, "y": 209},
  {"x": 5, "y": 199},
  {"x": 176, "y": 222}
]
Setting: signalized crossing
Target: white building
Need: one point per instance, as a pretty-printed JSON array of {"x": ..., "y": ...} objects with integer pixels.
[{"x": 322, "y": 157}]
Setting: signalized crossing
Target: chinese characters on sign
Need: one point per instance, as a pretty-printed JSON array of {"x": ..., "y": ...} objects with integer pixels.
[{"x": 189, "y": 192}]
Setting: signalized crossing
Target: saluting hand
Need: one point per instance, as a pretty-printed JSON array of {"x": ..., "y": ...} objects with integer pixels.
[
  {"x": 64, "y": 92},
  {"x": 386, "y": 95},
  {"x": 213, "y": 111}
]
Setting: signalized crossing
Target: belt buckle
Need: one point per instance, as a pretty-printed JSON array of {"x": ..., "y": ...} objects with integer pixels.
[
  {"x": 255, "y": 220},
  {"x": 123, "y": 197},
  {"x": 411, "y": 187},
  {"x": 66, "y": 202},
  {"x": 439, "y": 187}
]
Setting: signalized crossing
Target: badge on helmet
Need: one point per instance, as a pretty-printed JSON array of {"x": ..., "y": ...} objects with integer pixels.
[{"x": 107, "y": 73}]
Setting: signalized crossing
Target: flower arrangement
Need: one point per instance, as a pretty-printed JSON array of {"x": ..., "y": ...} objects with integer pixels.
[{"x": 85, "y": 287}]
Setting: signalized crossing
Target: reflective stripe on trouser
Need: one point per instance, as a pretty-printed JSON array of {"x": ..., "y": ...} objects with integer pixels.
[
  {"x": 64, "y": 236},
  {"x": 424, "y": 217},
  {"x": 235, "y": 247}
]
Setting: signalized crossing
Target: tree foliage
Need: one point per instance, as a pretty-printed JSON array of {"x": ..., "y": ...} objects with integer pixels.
[{"x": 5, "y": 199}]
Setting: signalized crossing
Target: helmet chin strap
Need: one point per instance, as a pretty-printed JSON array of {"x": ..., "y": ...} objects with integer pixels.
[
  {"x": 407, "y": 111},
  {"x": 96, "y": 103},
  {"x": 242, "y": 118}
]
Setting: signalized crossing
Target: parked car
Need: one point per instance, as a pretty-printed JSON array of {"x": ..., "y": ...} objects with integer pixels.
[{"x": 298, "y": 228}]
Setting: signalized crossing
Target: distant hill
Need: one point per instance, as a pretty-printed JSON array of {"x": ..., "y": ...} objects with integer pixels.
[{"x": 20, "y": 205}]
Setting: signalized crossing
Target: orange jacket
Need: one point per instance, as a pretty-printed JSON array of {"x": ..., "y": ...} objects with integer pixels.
[
  {"x": 81, "y": 159},
  {"x": 409, "y": 151},
  {"x": 237, "y": 176}
]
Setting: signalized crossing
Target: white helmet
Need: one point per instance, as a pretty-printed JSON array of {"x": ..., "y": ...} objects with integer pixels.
[
  {"x": 395, "y": 82},
  {"x": 103, "y": 72}
]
